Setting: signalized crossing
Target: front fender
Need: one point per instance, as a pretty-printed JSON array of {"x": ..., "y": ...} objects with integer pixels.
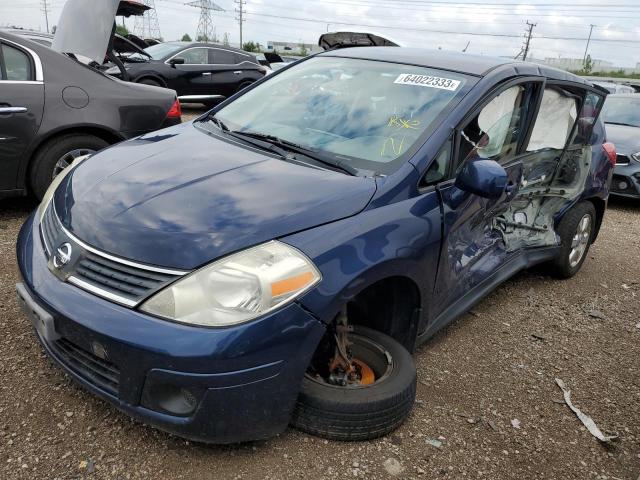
[{"x": 397, "y": 240}]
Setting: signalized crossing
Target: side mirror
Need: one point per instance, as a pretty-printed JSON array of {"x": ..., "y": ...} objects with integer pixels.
[
  {"x": 485, "y": 178},
  {"x": 176, "y": 61}
]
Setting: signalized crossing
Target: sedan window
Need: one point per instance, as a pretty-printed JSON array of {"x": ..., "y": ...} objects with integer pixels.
[
  {"x": 16, "y": 64},
  {"x": 365, "y": 113},
  {"x": 222, "y": 57},
  {"x": 195, "y": 56}
]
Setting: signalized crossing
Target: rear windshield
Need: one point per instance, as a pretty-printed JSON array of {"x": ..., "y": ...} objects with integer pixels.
[
  {"x": 622, "y": 111},
  {"x": 366, "y": 113}
]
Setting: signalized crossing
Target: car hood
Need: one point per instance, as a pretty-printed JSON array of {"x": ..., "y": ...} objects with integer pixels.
[
  {"x": 626, "y": 139},
  {"x": 181, "y": 198}
]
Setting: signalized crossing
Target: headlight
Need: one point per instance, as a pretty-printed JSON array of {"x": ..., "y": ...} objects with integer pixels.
[
  {"x": 237, "y": 288},
  {"x": 636, "y": 156},
  {"x": 48, "y": 195}
]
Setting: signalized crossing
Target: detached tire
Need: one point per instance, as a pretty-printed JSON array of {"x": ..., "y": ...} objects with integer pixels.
[
  {"x": 53, "y": 155},
  {"x": 362, "y": 412},
  {"x": 576, "y": 233}
]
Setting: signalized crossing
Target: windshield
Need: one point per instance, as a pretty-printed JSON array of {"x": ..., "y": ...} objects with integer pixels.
[
  {"x": 622, "y": 110},
  {"x": 367, "y": 114},
  {"x": 161, "y": 50}
]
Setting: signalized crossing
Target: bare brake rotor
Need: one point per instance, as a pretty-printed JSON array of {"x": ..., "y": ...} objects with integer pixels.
[{"x": 345, "y": 370}]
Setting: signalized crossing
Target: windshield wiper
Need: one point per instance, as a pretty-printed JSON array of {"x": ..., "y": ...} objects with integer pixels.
[
  {"x": 294, "y": 147},
  {"x": 623, "y": 124}
]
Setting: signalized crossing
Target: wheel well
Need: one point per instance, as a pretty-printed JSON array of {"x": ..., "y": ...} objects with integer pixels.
[
  {"x": 152, "y": 77},
  {"x": 105, "y": 135},
  {"x": 600, "y": 206},
  {"x": 391, "y": 306}
]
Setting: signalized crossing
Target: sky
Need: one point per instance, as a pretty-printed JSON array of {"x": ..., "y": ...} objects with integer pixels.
[{"x": 488, "y": 27}]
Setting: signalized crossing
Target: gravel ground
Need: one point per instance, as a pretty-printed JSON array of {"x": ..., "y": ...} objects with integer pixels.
[{"x": 486, "y": 391}]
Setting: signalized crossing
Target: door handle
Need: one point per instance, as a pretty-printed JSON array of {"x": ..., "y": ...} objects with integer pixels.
[
  {"x": 238, "y": 72},
  {"x": 9, "y": 110},
  {"x": 206, "y": 74}
]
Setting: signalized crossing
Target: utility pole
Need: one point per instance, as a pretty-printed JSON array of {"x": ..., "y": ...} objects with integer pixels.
[
  {"x": 240, "y": 18},
  {"x": 45, "y": 9},
  {"x": 586, "y": 50},
  {"x": 530, "y": 27}
]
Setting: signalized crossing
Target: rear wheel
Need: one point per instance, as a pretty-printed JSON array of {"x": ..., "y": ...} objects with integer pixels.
[
  {"x": 242, "y": 86},
  {"x": 576, "y": 233},
  {"x": 371, "y": 401},
  {"x": 57, "y": 154}
]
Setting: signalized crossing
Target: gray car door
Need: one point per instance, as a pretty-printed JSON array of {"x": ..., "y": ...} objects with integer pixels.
[{"x": 21, "y": 107}]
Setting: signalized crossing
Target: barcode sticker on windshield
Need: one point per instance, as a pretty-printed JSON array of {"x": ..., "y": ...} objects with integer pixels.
[{"x": 428, "y": 81}]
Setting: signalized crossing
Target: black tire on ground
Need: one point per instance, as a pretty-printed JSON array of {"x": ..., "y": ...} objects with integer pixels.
[
  {"x": 356, "y": 414},
  {"x": 150, "y": 81},
  {"x": 45, "y": 160},
  {"x": 561, "y": 266}
]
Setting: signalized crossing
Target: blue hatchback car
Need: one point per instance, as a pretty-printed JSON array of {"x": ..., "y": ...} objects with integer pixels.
[{"x": 277, "y": 260}]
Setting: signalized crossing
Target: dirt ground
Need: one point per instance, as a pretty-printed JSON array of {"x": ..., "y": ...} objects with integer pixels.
[{"x": 486, "y": 391}]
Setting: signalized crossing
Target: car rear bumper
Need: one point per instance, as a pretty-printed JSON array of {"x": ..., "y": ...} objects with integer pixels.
[{"x": 211, "y": 385}]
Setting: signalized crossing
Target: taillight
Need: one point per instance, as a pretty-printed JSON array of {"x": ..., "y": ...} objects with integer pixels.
[
  {"x": 175, "y": 111},
  {"x": 610, "y": 150}
]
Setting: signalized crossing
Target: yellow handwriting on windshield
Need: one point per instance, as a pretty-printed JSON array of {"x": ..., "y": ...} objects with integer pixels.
[{"x": 394, "y": 143}]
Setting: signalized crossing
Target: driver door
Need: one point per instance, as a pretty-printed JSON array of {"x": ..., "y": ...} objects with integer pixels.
[
  {"x": 472, "y": 248},
  {"x": 194, "y": 75}
]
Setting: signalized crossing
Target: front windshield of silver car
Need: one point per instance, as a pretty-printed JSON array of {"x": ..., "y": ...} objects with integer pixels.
[{"x": 367, "y": 114}]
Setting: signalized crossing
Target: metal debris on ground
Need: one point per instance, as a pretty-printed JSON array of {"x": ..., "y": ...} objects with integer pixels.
[
  {"x": 597, "y": 314},
  {"x": 585, "y": 419},
  {"x": 433, "y": 442}
]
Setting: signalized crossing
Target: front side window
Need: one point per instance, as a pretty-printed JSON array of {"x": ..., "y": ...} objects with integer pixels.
[
  {"x": 162, "y": 50},
  {"x": 17, "y": 66},
  {"x": 195, "y": 56},
  {"x": 366, "y": 113},
  {"x": 495, "y": 131}
]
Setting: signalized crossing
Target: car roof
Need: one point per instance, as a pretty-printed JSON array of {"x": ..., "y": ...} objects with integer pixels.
[
  {"x": 477, "y": 65},
  {"x": 211, "y": 45},
  {"x": 624, "y": 95}
]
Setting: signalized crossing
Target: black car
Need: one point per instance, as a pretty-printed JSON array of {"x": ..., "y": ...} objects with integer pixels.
[
  {"x": 54, "y": 109},
  {"x": 199, "y": 72},
  {"x": 622, "y": 118}
]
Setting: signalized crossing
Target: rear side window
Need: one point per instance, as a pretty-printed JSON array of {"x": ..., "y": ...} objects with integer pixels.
[
  {"x": 556, "y": 118},
  {"x": 222, "y": 57},
  {"x": 587, "y": 119},
  {"x": 16, "y": 65}
]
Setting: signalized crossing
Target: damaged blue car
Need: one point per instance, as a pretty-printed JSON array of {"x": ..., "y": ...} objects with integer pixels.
[{"x": 277, "y": 260}]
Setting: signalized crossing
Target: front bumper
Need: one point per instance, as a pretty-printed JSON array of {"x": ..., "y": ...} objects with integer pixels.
[
  {"x": 244, "y": 380},
  {"x": 626, "y": 180}
]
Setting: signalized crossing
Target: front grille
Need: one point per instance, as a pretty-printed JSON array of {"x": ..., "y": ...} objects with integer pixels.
[
  {"x": 119, "y": 279},
  {"x": 110, "y": 277},
  {"x": 101, "y": 373},
  {"x": 622, "y": 160},
  {"x": 620, "y": 181}
]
